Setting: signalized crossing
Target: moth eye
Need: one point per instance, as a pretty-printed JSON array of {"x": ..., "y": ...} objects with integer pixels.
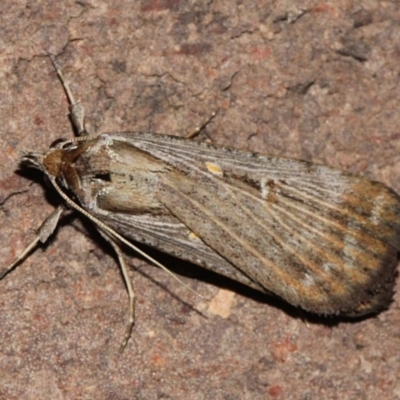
[{"x": 102, "y": 177}]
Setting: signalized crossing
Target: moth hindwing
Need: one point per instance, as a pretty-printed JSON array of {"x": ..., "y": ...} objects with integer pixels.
[{"x": 321, "y": 239}]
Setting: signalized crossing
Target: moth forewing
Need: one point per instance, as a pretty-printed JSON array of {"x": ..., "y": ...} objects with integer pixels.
[
  {"x": 323, "y": 257},
  {"x": 320, "y": 238}
]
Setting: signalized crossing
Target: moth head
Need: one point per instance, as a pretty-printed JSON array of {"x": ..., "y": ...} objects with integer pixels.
[
  {"x": 50, "y": 163},
  {"x": 33, "y": 160}
]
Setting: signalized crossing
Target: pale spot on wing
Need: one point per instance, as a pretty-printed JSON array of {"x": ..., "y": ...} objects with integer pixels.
[
  {"x": 350, "y": 243},
  {"x": 193, "y": 236},
  {"x": 328, "y": 267},
  {"x": 376, "y": 212},
  {"x": 105, "y": 141},
  {"x": 214, "y": 168},
  {"x": 264, "y": 188},
  {"x": 308, "y": 280}
]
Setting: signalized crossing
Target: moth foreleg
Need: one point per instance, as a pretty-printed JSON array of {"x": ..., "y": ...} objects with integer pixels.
[
  {"x": 47, "y": 228},
  {"x": 196, "y": 130}
]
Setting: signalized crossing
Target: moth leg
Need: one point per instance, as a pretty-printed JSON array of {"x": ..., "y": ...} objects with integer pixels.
[
  {"x": 77, "y": 112},
  {"x": 195, "y": 132},
  {"x": 47, "y": 228},
  {"x": 129, "y": 287}
]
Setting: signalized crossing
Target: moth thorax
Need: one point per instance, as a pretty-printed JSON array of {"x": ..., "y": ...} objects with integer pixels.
[{"x": 52, "y": 162}]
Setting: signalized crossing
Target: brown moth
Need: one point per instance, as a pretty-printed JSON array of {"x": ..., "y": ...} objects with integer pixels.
[{"x": 321, "y": 239}]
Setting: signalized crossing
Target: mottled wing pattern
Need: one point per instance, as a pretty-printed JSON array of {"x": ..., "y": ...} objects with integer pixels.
[{"x": 320, "y": 238}]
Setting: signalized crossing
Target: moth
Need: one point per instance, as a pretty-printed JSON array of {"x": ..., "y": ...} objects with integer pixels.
[{"x": 322, "y": 239}]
